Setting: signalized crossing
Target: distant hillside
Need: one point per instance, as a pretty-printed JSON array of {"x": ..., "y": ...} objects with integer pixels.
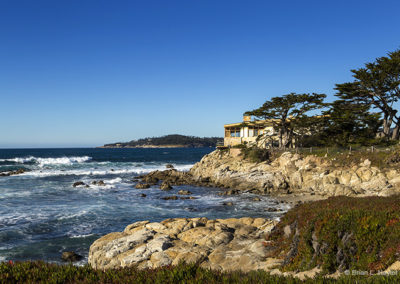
[{"x": 168, "y": 141}]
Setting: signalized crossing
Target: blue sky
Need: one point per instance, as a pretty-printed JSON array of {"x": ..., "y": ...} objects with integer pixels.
[{"x": 85, "y": 73}]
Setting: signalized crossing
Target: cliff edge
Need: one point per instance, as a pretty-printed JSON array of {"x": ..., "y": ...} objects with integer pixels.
[{"x": 293, "y": 173}]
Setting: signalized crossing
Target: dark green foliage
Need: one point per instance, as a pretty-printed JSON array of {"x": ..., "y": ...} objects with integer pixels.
[
  {"x": 341, "y": 233},
  {"x": 255, "y": 154},
  {"x": 173, "y": 139},
  {"x": 310, "y": 131},
  {"x": 349, "y": 123},
  {"x": 377, "y": 85},
  {"x": 288, "y": 113}
]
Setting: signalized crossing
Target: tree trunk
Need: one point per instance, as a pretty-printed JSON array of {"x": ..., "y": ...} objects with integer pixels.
[
  {"x": 396, "y": 132},
  {"x": 387, "y": 122},
  {"x": 280, "y": 138},
  {"x": 286, "y": 139}
]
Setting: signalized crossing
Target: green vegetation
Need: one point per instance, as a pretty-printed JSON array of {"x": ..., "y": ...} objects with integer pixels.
[
  {"x": 41, "y": 272},
  {"x": 288, "y": 113},
  {"x": 340, "y": 233},
  {"x": 377, "y": 85},
  {"x": 364, "y": 114},
  {"x": 255, "y": 154},
  {"x": 173, "y": 139},
  {"x": 346, "y": 123}
]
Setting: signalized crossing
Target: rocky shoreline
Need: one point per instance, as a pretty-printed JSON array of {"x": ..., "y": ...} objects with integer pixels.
[
  {"x": 235, "y": 244},
  {"x": 295, "y": 174},
  {"x": 290, "y": 177}
]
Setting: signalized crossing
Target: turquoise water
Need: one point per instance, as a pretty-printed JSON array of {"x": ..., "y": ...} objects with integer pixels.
[{"x": 42, "y": 215}]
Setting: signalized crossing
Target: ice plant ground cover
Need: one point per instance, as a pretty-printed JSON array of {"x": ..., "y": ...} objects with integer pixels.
[
  {"x": 340, "y": 233},
  {"x": 41, "y": 272}
]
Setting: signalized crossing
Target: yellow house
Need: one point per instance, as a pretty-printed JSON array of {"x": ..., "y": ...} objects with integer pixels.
[{"x": 248, "y": 131}]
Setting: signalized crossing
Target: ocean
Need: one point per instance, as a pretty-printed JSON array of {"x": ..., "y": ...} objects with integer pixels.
[{"x": 42, "y": 214}]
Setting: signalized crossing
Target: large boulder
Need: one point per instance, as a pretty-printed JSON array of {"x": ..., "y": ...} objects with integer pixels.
[{"x": 226, "y": 244}]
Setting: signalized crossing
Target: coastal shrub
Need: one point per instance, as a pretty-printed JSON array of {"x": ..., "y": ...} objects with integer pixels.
[
  {"x": 41, "y": 272},
  {"x": 239, "y": 146},
  {"x": 255, "y": 154},
  {"x": 339, "y": 233}
]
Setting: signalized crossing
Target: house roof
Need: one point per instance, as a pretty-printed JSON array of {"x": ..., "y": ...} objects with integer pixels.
[{"x": 261, "y": 123}]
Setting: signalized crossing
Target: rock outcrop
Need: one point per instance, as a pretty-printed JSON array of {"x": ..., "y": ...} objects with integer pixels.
[
  {"x": 292, "y": 173},
  {"x": 11, "y": 173},
  {"x": 71, "y": 256},
  {"x": 224, "y": 244},
  {"x": 142, "y": 186},
  {"x": 79, "y": 183},
  {"x": 98, "y": 183},
  {"x": 165, "y": 186},
  {"x": 173, "y": 177}
]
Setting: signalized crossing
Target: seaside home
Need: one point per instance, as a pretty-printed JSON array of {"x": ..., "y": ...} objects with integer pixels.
[{"x": 248, "y": 131}]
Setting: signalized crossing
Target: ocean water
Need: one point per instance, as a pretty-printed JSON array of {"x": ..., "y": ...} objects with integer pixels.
[{"x": 42, "y": 214}]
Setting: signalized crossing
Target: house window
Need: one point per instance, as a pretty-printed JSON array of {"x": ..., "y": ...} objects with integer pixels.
[
  {"x": 235, "y": 133},
  {"x": 254, "y": 132}
]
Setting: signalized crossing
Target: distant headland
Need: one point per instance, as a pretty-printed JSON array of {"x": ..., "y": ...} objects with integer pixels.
[{"x": 168, "y": 141}]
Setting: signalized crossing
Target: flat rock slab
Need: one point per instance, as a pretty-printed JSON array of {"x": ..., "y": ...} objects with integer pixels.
[{"x": 223, "y": 244}]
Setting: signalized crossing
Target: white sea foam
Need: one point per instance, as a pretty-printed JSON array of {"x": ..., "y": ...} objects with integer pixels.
[
  {"x": 80, "y": 236},
  {"x": 96, "y": 172},
  {"x": 74, "y": 215},
  {"x": 113, "y": 181},
  {"x": 64, "y": 160},
  {"x": 49, "y": 161},
  {"x": 19, "y": 160},
  {"x": 97, "y": 187},
  {"x": 13, "y": 218}
]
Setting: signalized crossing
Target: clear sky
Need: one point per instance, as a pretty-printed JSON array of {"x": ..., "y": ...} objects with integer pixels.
[{"x": 86, "y": 73}]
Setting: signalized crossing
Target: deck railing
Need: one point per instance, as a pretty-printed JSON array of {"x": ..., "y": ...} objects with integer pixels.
[{"x": 220, "y": 144}]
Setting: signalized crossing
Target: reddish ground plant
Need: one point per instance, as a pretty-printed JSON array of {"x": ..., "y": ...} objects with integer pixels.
[{"x": 340, "y": 233}]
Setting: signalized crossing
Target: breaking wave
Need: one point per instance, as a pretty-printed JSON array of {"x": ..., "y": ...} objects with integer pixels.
[
  {"x": 99, "y": 172},
  {"x": 48, "y": 161}
]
